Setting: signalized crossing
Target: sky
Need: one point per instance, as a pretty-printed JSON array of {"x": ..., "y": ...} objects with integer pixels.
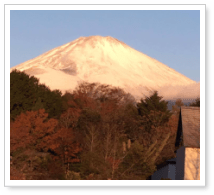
[{"x": 170, "y": 36}]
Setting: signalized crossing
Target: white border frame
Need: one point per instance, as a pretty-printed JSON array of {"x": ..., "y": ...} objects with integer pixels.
[{"x": 9, "y": 182}]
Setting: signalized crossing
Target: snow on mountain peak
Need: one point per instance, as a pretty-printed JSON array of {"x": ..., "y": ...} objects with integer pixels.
[{"x": 110, "y": 61}]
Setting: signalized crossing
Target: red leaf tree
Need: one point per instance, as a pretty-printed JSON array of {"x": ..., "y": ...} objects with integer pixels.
[{"x": 29, "y": 128}]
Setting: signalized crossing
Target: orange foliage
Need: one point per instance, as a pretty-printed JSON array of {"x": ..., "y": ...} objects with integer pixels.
[
  {"x": 101, "y": 96},
  {"x": 29, "y": 127},
  {"x": 31, "y": 130},
  {"x": 62, "y": 143},
  {"x": 16, "y": 175}
]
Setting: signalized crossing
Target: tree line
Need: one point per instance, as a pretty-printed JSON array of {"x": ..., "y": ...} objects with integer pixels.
[{"x": 95, "y": 132}]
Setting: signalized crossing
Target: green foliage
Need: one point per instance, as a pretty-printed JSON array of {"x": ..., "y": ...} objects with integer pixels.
[
  {"x": 160, "y": 148},
  {"x": 139, "y": 163},
  {"x": 88, "y": 123},
  {"x": 67, "y": 101},
  {"x": 27, "y": 94},
  {"x": 131, "y": 121},
  {"x": 107, "y": 126},
  {"x": 53, "y": 103},
  {"x": 135, "y": 165},
  {"x": 89, "y": 116},
  {"x": 38, "y": 105},
  {"x": 92, "y": 163},
  {"x": 23, "y": 92},
  {"x": 153, "y": 111}
]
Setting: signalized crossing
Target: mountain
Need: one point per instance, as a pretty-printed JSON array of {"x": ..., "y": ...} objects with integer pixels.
[{"x": 110, "y": 61}]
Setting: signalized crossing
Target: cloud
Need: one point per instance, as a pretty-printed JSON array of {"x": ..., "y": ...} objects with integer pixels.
[{"x": 190, "y": 91}]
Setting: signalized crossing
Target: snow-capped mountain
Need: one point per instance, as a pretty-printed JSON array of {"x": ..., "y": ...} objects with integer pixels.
[{"x": 110, "y": 61}]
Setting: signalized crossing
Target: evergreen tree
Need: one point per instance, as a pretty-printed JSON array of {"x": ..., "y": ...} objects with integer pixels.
[
  {"x": 27, "y": 94},
  {"x": 23, "y": 92},
  {"x": 153, "y": 111},
  {"x": 38, "y": 105}
]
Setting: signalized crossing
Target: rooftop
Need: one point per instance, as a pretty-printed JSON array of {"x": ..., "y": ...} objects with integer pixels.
[{"x": 190, "y": 119}]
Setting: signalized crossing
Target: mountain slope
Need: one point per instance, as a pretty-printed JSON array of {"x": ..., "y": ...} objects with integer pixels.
[{"x": 107, "y": 60}]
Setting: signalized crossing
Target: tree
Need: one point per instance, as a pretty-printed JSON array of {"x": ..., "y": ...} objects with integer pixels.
[
  {"x": 26, "y": 94},
  {"x": 23, "y": 92},
  {"x": 16, "y": 174},
  {"x": 70, "y": 117},
  {"x": 32, "y": 132},
  {"x": 29, "y": 128},
  {"x": 26, "y": 134},
  {"x": 153, "y": 111},
  {"x": 52, "y": 101},
  {"x": 94, "y": 94},
  {"x": 139, "y": 162},
  {"x": 196, "y": 103},
  {"x": 101, "y": 127},
  {"x": 63, "y": 146},
  {"x": 177, "y": 106},
  {"x": 168, "y": 151},
  {"x": 68, "y": 101}
]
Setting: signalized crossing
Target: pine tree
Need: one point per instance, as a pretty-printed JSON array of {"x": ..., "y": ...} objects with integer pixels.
[
  {"x": 153, "y": 111},
  {"x": 26, "y": 94}
]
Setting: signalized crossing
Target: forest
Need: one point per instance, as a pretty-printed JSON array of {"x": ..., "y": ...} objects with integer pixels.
[{"x": 95, "y": 132}]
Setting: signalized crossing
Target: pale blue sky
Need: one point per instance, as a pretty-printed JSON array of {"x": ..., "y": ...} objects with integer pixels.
[{"x": 171, "y": 37}]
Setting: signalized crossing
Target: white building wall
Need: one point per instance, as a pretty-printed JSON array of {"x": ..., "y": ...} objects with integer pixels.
[{"x": 192, "y": 164}]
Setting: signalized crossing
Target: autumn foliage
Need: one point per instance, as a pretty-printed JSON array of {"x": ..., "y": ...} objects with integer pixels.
[
  {"x": 99, "y": 132},
  {"x": 33, "y": 131},
  {"x": 29, "y": 128}
]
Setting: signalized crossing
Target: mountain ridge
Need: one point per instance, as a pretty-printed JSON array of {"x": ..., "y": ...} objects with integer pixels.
[{"x": 106, "y": 60}]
